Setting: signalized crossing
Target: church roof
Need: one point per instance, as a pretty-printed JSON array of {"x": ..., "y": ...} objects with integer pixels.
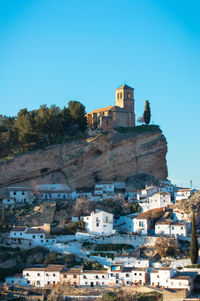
[
  {"x": 125, "y": 87},
  {"x": 102, "y": 110},
  {"x": 109, "y": 108}
]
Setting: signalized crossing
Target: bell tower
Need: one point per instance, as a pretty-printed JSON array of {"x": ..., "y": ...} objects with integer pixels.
[{"x": 124, "y": 98}]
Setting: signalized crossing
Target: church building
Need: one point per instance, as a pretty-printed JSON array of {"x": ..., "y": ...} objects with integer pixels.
[{"x": 121, "y": 114}]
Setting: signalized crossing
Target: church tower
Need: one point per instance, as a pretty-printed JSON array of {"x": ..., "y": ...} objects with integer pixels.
[{"x": 124, "y": 98}]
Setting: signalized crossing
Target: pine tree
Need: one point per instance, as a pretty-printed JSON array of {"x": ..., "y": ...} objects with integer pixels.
[
  {"x": 3, "y": 217},
  {"x": 194, "y": 243},
  {"x": 147, "y": 112}
]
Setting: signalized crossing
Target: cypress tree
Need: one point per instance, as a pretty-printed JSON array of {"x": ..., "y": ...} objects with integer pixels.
[
  {"x": 3, "y": 217},
  {"x": 147, "y": 112},
  {"x": 194, "y": 243}
]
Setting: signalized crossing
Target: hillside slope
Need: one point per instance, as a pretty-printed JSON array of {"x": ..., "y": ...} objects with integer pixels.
[{"x": 104, "y": 157}]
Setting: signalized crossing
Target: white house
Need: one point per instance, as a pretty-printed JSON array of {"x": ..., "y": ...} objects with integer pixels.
[
  {"x": 157, "y": 200},
  {"x": 161, "y": 276},
  {"x": 147, "y": 192},
  {"x": 43, "y": 276},
  {"x": 131, "y": 275},
  {"x": 114, "y": 273},
  {"x": 169, "y": 278},
  {"x": 54, "y": 191},
  {"x": 167, "y": 186},
  {"x": 99, "y": 222},
  {"x": 141, "y": 224},
  {"x": 182, "y": 194},
  {"x": 94, "y": 278},
  {"x": 170, "y": 228},
  {"x": 16, "y": 279},
  {"x": 104, "y": 191},
  {"x": 30, "y": 236},
  {"x": 19, "y": 195}
]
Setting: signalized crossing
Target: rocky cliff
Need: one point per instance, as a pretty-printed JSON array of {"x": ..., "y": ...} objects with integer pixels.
[{"x": 104, "y": 157}]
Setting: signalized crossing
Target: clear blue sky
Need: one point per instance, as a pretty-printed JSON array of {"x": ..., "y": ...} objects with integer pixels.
[{"x": 55, "y": 51}]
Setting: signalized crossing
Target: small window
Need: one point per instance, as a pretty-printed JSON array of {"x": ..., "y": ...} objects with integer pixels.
[
  {"x": 22, "y": 193},
  {"x": 27, "y": 274},
  {"x": 181, "y": 228},
  {"x": 38, "y": 274},
  {"x": 33, "y": 236},
  {"x": 84, "y": 277},
  {"x": 74, "y": 276},
  {"x": 97, "y": 224},
  {"x": 47, "y": 274},
  {"x": 48, "y": 282},
  {"x": 65, "y": 276},
  {"x": 20, "y": 233},
  {"x": 54, "y": 275},
  {"x": 97, "y": 276},
  {"x": 120, "y": 95},
  {"x": 128, "y": 95},
  {"x": 41, "y": 236},
  {"x": 15, "y": 233},
  {"x": 14, "y": 193},
  {"x": 41, "y": 240}
]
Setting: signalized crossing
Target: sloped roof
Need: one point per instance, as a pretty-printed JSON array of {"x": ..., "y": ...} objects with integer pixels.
[{"x": 125, "y": 87}]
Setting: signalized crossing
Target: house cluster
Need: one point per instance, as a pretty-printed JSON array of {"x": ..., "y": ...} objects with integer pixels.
[
  {"x": 27, "y": 195},
  {"x": 116, "y": 275},
  {"x": 153, "y": 196}
]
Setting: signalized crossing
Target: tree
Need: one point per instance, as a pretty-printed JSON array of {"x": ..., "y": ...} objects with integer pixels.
[
  {"x": 194, "y": 243},
  {"x": 166, "y": 246},
  {"x": 3, "y": 217},
  {"x": 147, "y": 112}
]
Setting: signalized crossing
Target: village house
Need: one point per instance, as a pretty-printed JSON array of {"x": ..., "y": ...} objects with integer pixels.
[
  {"x": 16, "y": 279},
  {"x": 30, "y": 236},
  {"x": 71, "y": 276},
  {"x": 99, "y": 222},
  {"x": 19, "y": 195},
  {"x": 169, "y": 278},
  {"x": 141, "y": 224},
  {"x": 43, "y": 276},
  {"x": 167, "y": 186},
  {"x": 132, "y": 275},
  {"x": 157, "y": 200},
  {"x": 54, "y": 192},
  {"x": 182, "y": 194},
  {"x": 94, "y": 278},
  {"x": 114, "y": 273},
  {"x": 147, "y": 192},
  {"x": 170, "y": 228}
]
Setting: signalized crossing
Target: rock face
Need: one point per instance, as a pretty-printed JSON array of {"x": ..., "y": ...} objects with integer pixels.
[{"x": 104, "y": 157}]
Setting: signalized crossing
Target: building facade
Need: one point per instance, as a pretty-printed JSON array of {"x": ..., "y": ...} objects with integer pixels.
[{"x": 121, "y": 114}]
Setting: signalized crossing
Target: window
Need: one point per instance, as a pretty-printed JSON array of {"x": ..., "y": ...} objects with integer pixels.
[
  {"x": 128, "y": 95},
  {"x": 102, "y": 283},
  {"x": 47, "y": 274},
  {"x": 22, "y": 193},
  {"x": 14, "y": 193},
  {"x": 20, "y": 233},
  {"x": 181, "y": 228},
  {"x": 28, "y": 281},
  {"x": 47, "y": 240},
  {"x": 38, "y": 282},
  {"x": 15, "y": 233},
  {"x": 97, "y": 276},
  {"x": 41, "y": 236},
  {"x": 86, "y": 283},
  {"x": 140, "y": 274},
  {"x": 74, "y": 276},
  {"x": 120, "y": 95},
  {"x": 33, "y": 236},
  {"x": 48, "y": 282},
  {"x": 158, "y": 276},
  {"x": 41, "y": 240},
  {"x": 97, "y": 224},
  {"x": 84, "y": 277},
  {"x": 38, "y": 274},
  {"x": 54, "y": 275},
  {"x": 27, "y": 274},
  {"x": 103, "y": 276},
  {"x": 172, "y": 228},
  {"x": 135, "y": 274},
  {"x": 65, "y": 276},
  {"x": 127, "y": 275}
]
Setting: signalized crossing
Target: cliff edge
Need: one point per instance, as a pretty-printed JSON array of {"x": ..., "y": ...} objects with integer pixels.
[{"x": 80, "y": 163}]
